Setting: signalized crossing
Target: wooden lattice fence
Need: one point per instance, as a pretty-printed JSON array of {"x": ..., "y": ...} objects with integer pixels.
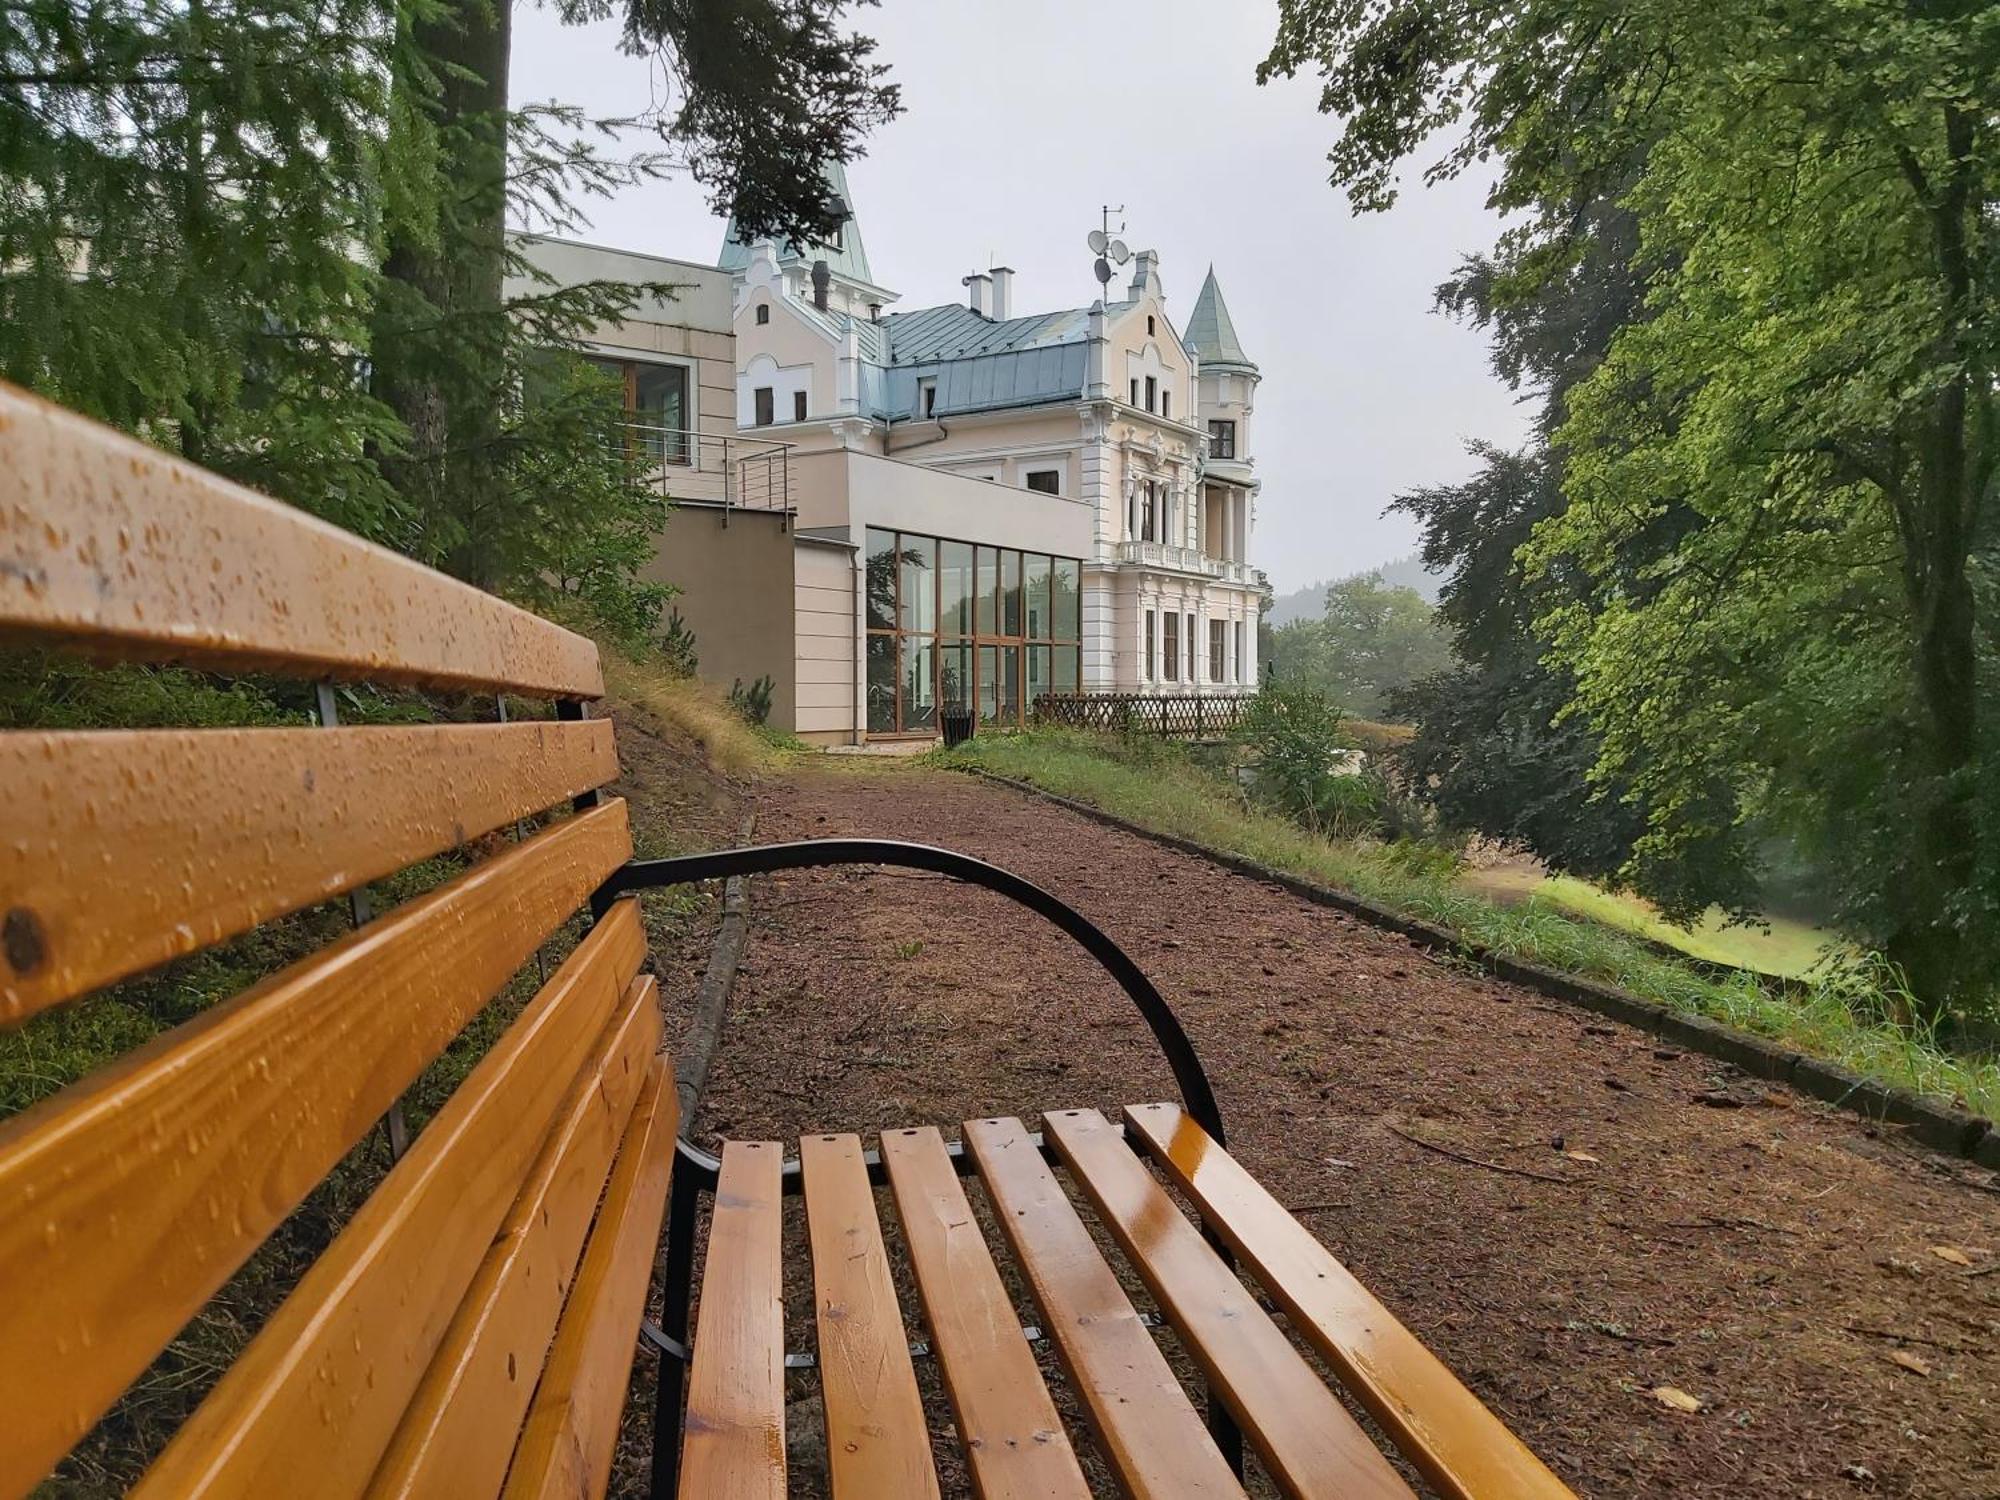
[{"x": 1181, "y": 716}]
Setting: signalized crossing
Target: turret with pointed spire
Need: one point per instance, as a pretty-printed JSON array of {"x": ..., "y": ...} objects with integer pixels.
[
  {"x": 851, "y": 283},
  {"x": 1211, "y": 334}
]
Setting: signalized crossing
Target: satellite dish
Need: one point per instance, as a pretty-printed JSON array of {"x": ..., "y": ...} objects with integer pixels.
[
  {"x": 1118, "y": 252},
  {"x": 1098, "y": 240},
  {"x": 1103, "y": 269}
]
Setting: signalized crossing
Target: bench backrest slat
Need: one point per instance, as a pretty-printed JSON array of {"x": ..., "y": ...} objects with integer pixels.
[
  {"x": 357, "y": 1333},
  {"x": 460, "y": 1429},
  {"x": 127, "y": 848},
  {"x": 571, "y": 1430},
  {"x": 135, "y": 1193},
  {"x": 109, "y": 543}
]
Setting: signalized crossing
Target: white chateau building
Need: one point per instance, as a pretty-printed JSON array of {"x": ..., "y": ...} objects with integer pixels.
[{"x": 894, "y": 511}]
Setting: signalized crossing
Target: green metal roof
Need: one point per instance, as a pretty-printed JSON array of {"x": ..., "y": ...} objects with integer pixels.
[
  {"x": 1210, "y": 333},
  {"x": 849, "y": 258}
]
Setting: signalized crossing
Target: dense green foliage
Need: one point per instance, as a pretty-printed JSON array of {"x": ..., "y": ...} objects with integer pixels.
[
  {"x": 1372, "y": 642},
  {"x": 1303, "y": 761},
  {"x": 275, "y": 240},
  {"x": 1775, "y": 548}
]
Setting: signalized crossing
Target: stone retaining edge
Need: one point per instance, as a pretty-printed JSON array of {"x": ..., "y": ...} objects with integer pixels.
[{"x": 1940, "y": 1126}]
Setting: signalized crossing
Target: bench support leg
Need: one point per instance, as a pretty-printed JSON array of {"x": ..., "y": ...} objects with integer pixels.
[{"x": 677, "y": 1292}]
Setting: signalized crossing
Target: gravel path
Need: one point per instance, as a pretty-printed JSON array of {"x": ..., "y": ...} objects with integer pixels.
[{"x": 1770, "y": 1256}]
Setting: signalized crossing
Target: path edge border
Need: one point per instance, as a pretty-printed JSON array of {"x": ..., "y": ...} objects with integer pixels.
[{"x": 1955, "y": 1132}]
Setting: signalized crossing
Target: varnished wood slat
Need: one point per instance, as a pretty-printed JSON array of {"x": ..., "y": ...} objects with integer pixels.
[
  {"x": 113, "y": 545},
  {"x": 133, "y": 1194},
  {"x": 1308, "y": 1442},
  {"x": 455, "y": 1440},
  {"x": 308, "y": 1408},
  {"x": 1462, "y": 1449},
  {"x": 877, "y": 1440},
  {"x": 1146, "y": 1425},
  {"x": 572, "y": 1428},
  {"x": 734, "y": 1447},
  {"x": 1014, "y": 1441},
  {"x": 124, "y": 849}
]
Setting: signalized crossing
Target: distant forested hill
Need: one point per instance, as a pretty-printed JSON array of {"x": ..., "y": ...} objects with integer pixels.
[{"x": 1309, "y": 603}]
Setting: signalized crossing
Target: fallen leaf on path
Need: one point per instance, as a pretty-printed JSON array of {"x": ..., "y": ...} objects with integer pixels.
[
  {"x": 1916, "y": 1364},
  {"x": 1951, "y": 1253},
  {"x": 1581, "y": 1156},
  {"x": 1858, "y": 1471},
  {"x": 1334, "y": 1161},
  {"x": 1676, "y": 1399}
]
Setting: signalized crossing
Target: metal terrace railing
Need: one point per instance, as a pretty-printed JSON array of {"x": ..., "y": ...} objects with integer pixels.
[
  {"x": 705, "y": 468},
  {"x": 1184, "y": 716}
]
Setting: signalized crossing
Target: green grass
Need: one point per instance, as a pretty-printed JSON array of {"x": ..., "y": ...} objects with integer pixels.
[
  {"x": 1780, "y": 946},
  {"x": 1167, "y": 789}
]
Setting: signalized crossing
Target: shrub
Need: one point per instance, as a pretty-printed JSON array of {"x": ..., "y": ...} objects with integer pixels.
[
  {"x": 1303, "y": 762},
  {"x": 752, "y": 702}
]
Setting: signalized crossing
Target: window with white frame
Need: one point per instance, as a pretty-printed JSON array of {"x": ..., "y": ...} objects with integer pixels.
[{"x": 1043, "y": 481}]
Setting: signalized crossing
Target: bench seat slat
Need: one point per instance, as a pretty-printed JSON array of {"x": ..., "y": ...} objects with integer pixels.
[
  {"x": 1308, "y": 1442},
  {"x": 193, "y": 836},
  {"x": 571, "y": 1431},
  {"x": 354, "y": 1338},
  {"x": 229, "y": 1120},
  {"x": 116, "y": 546},
  {"x": 1463, "y": 1450},
  {"x": 877, "y": 1441},
  {"x": 1014, "y": 1440},
  {"x": 458, "y": 1434},
  {"x": 1148, "y": 1428},
  {"x": 734, "y": 1448}
]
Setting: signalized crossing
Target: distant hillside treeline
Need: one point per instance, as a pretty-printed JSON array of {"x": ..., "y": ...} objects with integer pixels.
[{"x": 1309, "y": 603}]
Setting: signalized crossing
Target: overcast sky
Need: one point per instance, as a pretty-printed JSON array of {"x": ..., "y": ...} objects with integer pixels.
[{"x": 1024, "y": 117}]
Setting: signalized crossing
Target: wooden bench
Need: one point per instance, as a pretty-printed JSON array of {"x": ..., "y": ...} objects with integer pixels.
[{"x": 472, "y": 1329}]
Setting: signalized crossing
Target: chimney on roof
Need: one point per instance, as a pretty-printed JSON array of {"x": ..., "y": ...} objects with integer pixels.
[
  {"x": 982, "y": 293},
  {"x": 1003, "y": 292},
  {"x": 1146, "y": 275},
  {"x": 822, "y": 279}
]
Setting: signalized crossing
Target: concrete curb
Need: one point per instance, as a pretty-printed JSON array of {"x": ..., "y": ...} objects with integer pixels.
[{"x": 1954, "y": 1131}]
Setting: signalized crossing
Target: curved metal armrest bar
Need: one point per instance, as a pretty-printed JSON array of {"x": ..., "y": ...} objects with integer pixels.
[{"x": 1197, "y": 1097}]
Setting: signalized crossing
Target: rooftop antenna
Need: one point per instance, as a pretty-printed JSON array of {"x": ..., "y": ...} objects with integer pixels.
[{"x": 1109, "y": 252}]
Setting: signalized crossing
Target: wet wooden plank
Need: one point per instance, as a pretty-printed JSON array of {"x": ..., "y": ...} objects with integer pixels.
[
  {"x": 117, "y": 547},
  {"x": 877, "y": 1440},
  {"x": 1462, "y": 1449},
  {"x": 125, "y": 849},
  {"x": 735, "y": 1442},
  {"x": 354, "y": 1338},
  {"x": 572, "y": 1429},
  {"x": 136, "y": 1192},
  {"x": 1145, "y": 1424},
  {"x": 1014, "y": 1440},
  {"x": 1307, "y": 1440},
  {"x": 458, "y": 1434}
]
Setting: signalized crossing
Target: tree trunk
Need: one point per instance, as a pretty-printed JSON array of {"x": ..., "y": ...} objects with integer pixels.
[
  {"x": 440, "y": 346},
  {"x": 1930, "y": 944}
]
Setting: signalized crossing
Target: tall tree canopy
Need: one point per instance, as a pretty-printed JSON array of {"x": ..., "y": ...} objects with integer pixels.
[
  {"x": 1806, "y": 414},
  {"x": 1372, "y": 642}
]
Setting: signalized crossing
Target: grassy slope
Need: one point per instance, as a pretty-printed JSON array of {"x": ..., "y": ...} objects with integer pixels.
[
  {"x": 1161, "y": 790},
  {"x": 1785, "y": 948}
]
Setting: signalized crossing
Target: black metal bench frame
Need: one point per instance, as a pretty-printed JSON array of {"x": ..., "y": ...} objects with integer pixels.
[{"x": 696, "y": 1171}]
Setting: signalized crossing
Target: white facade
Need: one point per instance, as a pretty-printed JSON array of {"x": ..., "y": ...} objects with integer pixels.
[{"x": 1108, "y": 408}]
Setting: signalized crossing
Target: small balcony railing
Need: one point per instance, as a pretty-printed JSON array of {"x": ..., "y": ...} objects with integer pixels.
[
  {"x": 1186, "y": 560},
  {"x": 737, "y": 473}
]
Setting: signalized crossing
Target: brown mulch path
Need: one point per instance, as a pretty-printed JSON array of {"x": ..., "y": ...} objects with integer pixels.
[{"x": 1709, "y": 1233}]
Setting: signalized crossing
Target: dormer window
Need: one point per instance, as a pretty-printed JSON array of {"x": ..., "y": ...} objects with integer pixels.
[
  {"x": 927, "y": 398},
  {"x": 834, "y": 241}
]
